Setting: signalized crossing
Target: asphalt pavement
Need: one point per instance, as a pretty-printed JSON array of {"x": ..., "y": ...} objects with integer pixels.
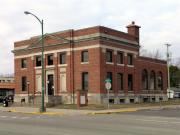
[
  {"x": 166, "y": 112},
  {"x": 135, "y": 123}
]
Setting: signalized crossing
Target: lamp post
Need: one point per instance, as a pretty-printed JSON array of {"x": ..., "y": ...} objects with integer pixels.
[{"x": 42, "y": 108}]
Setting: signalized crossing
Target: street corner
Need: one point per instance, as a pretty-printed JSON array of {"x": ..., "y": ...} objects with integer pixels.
[
  {"x": 36, "y": 112},
  {"x": 12, "y": 110},
  {"x": 113, "y": 111},
  {"x": 6, "y": 109}
]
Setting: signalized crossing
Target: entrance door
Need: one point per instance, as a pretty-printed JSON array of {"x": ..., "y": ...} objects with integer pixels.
[{"x": 50, "y": 84}]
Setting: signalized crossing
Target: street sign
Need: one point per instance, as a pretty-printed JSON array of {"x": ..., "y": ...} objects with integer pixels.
[
  {"x": 108, "y": 80},
  {"x": 108, "y": 85}
]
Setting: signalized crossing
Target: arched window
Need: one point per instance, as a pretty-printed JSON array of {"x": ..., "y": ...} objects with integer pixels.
[
  {"x": 152, "y": 80},
  {"x": 144, "y": 79},
  {"x": 159, "y": 81}
]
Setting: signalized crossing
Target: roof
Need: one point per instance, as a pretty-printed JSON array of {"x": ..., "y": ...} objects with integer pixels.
[
  {"x": 153, "y": 59},
  {"x": 64, "y": 37}
]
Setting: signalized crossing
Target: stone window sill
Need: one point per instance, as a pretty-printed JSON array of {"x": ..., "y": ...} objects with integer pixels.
[
  {"x": 50, "y": 66},
  {"x": 110, "y": 63},
  {"x": 84, "y": 62},
  {"x": 62, "y": 65},
  {"x": 120, "y": 64},
  {"x": 130, "y": 65}
]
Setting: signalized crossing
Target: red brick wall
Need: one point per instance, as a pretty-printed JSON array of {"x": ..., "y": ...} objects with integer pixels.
[
  {"x": 97, "y": 67},
  {"x": 152, "y": 66},
  {"x": 7, "y": 85},
  {"x": 93, "y": 68}
]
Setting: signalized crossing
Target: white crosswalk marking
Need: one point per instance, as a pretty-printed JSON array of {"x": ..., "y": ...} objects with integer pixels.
[
  {"x": 6, "y": 117},
  {"x": 3, "y": 116}
]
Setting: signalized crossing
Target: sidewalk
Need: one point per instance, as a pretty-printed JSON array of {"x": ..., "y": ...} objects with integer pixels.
[
  {"x": 73, "y": 112},
  {"x": 49, "y": 111}
]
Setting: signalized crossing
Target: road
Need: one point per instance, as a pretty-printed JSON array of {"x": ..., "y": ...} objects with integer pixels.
[{"x": 137, "y": 123}]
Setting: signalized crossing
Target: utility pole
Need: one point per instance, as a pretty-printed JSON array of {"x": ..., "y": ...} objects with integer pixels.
[{"x": 168, "y": 60}]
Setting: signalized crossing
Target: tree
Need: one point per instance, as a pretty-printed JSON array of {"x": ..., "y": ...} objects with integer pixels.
[
  {"x": 156, "y": 54},
  {"x": 177, "y": 63},
  {"x": 174, "y": 76}
]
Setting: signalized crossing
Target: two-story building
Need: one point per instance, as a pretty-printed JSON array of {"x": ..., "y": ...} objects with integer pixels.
[{"x": 82, "y": 60}]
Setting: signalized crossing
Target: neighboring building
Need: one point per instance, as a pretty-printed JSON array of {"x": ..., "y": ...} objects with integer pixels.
[
  {"x": 82, "y": 60},
  {"x": 7, "y": 86}
]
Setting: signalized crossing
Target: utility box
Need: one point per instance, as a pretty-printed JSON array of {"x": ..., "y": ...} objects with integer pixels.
[{"x": 82, "y": 98}]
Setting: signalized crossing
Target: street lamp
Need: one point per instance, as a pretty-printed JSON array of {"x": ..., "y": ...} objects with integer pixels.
[{"x": 42, "y": 108}]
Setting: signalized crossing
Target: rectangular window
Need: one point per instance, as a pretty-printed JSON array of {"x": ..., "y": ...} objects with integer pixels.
[
  {"x": 85, "y": 81},
  {"x": 23, "y": 63},
  {"x": 38, "y": 61},
  {"x": 130, "y": 59},
  {"x": 50, "y": 59},
  {"x": 130, "y": 82},
  {"x": 120, "y": 58},
  {"x": 109, "y": 56},
  {"x": 62, "y": 58},
  {"x": 84, "y": 56},
  {"x": 120, "y": 81},
  {"x": 110, "y": 76},
  {"x": 24, "y": 83}
]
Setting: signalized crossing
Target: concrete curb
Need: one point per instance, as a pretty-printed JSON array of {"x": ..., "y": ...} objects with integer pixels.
[
  {"x": 114, "y": 111},
  {"x": 38, "y": 113}
]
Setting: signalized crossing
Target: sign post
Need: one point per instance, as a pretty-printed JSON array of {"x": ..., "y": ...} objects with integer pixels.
[{"x": 108, "y": 87}]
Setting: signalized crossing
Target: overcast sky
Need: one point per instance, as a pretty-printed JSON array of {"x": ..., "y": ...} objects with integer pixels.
[{"x": 159, "y": 21}]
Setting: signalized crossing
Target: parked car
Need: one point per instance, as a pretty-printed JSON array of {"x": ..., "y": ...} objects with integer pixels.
[{"x": 6, "y": 100}]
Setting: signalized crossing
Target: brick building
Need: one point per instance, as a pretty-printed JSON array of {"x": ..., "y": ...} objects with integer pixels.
[
  {"x": 82, "y": 60},
  {"x": 7, "y": 85}
]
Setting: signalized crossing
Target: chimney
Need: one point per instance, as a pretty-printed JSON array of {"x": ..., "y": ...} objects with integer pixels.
[{"x": 133, "y": 30}]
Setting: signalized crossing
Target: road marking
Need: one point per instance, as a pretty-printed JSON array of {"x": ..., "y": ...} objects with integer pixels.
[
  {"x": 23, "y": 118},
  {"x": 176, "y": 122},
  {"x": 153, "y": 117},
  {"x": 158, "y": 121},
  {"x": 3, "y": 116},
  {"x": 152, "y": 120},
  {"x": 163, "y": 118},
  {"x": 38, "y": 117},
  {"x": 14, "y": 117}
]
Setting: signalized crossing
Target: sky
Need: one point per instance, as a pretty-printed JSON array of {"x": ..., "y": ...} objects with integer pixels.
[{"x": 159, "y": 21}]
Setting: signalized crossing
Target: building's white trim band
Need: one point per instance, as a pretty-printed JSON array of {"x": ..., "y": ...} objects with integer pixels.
[{"x": 77, "y": 49}]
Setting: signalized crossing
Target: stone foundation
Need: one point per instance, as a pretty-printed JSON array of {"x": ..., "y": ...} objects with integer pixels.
[
  {"x": 95, "y": 98},
  {"x": 122, "y": 99}
]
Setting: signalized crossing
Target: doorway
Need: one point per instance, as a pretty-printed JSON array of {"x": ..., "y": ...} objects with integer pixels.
[{"x": 50, "y": 82}]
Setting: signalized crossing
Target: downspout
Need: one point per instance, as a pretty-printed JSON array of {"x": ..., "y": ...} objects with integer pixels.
[{"x": 72, "y": 64}]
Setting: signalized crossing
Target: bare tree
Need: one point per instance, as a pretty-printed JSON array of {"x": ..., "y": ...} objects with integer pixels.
[
  {"x": 143, "y": 51},
  {"x": 156, "y": 54}
]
